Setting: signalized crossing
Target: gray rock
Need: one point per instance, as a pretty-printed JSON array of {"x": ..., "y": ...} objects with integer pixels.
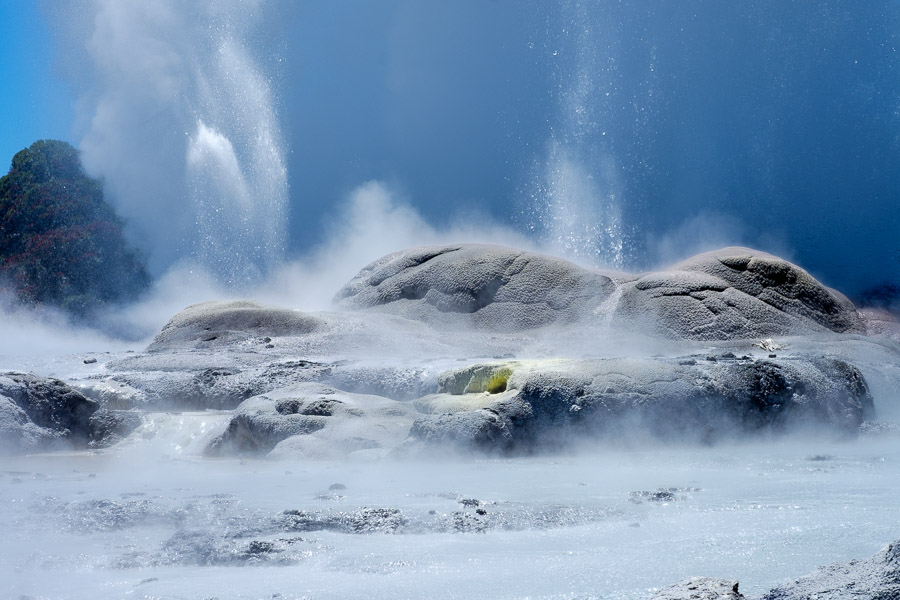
[
  {"x": 110, "y": 427},
  {"x": 470, "y": 516},
  {"x": 39, "y": 413},
  {"x": 700, "y": 588},
  {"x": 224, "y": 388},
  {"x": 361, "y": 521},
  {"x": 555, "y": 403},
  {"x": 213, "y": 324},
  {"x": 734, "y": 293},
  {"x": 876, "y": 578},
  {"x": 489, "y": 287},
  {"x": 313, "y": 420},
  {"x": 418, "y": 313},
  {"x": 195, "y": 388}
]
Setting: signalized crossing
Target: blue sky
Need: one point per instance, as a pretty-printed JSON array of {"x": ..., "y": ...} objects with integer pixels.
[
  {"x": 771, "y": 124},
  {"x": 34, "y": 100}
]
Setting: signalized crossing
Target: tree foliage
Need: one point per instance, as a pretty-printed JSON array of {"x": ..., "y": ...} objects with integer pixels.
[{"x": 61, "y": 244}]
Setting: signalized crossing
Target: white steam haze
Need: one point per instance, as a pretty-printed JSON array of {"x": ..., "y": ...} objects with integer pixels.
[
  {"x": 371, "y": 222},
  {"x": 180, "y": 122},
  {"x": 180, "y": 116}
]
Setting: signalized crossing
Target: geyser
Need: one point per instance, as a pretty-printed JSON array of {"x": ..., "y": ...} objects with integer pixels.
[
  {"x": 577, "y": 187},
  {"x": 184, "y": 130}
]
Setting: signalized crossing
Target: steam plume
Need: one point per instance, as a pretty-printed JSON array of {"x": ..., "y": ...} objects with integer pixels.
[{"x": 180, "y": 121}]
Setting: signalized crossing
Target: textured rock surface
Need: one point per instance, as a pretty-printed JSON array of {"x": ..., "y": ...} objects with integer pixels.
[
  {"x": 554, "y": 403},
  {"x": 436, "y": 325},
  {"x": 198, "y": 386},
  {"x": 490, "y": 287},
  {"x": 876, "y": 578},
  {"x": 39, "y": 413},
  {"x": 701, "y": 588},
  {"x": 212, "y": 324},
  {"x": 313, "y": 420},
  {"x": 733, "y": 293}
]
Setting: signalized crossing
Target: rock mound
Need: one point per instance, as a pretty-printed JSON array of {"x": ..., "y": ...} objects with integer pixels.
[
  {"x": 700, "y": 588},
  {"x": 489, "y": 287},
  {"x": 557, "y": 403},
  {"x": 39, "y": 413},
  {"x": 212, "y": 324},
  {"x": 315, "y": 421},
  {"x": 876, "y": 578},
  {"x": 735, "y": 293}
]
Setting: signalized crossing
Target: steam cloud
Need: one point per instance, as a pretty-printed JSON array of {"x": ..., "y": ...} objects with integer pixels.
[{"x": 180, "y": 122}]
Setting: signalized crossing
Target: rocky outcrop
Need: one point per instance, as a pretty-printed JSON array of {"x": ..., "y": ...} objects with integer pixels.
[
  {"x": 39, "y": 413},
  {"x": 556, "y": 403},
  {"x": 472, "y": 285},
  {"x": 876, "y": 578},
  {"x": 733, "y": 293},
  {"x": 197, "y": 386},
  {"x": 394, "y": 356},
  {"x": 700, "y": 588},
  {"x": 213, "y": 324},
  {"x": 313, "y": 420}
]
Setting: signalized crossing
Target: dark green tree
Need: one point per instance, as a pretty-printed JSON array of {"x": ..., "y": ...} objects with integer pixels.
[{"x": 61, "y": 244}]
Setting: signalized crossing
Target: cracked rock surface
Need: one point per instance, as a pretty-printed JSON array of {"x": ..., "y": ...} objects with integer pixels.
[
  {"x": 730, "y": 293},
  {"x": 875, "y": 578}
]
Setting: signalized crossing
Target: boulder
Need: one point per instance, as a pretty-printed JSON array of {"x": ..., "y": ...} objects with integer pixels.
[
  {"x": 213, "y": 324},
  {"x": 876, "y": 578},
  {"x": 476, "y": 285},
  {"x": 40, "y": 413},
  {"x": 196, "y": 386},
  {"x": 556, "y": 403},
  {"x": 313, "y": 420},
  {"x": 700, "y": 588},
  {"x": 734, "y": 293}
]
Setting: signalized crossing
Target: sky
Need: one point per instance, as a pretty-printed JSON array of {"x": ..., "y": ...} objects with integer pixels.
[
  {"x": 35, "y": 101},
  {"x": 625, "y": 133}
]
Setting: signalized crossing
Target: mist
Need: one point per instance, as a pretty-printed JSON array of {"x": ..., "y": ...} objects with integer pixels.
[
  {"x": 591, "y": 436},
  {"x": 644, "y": 120}
]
